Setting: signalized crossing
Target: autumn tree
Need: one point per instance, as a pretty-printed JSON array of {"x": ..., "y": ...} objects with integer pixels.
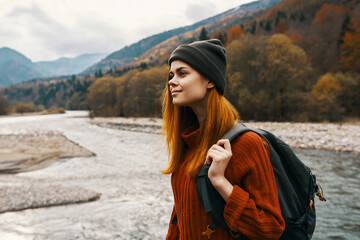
[
  {"x": 324, "y": 35},
  {"x": 145, "y": 88},
  {"x": 282, "y": 27},
  {"x": 325, "y": 99},
  {"x": 269, "y": 78},
  {"x": 102, "y": 98},
  {"x": 243, "y": 66},
  {"x": 350, "y": 49},
  {"x": 349, "y": 97},
  {"x": 3, "y": 106},
  {"x": 233, "y": 33},
  {"x": 286, "y": 76},
  {"x": 21, "y": 107}
]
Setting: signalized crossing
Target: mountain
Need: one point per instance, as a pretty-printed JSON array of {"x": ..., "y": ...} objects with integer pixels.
[
  {"x": 130, "y": 53},
  {"x": 68, "y": 66},
  {"x": 15, "y": 67}
]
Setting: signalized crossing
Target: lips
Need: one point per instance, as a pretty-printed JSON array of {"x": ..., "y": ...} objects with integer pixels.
[{"x": 175, "y": 92}]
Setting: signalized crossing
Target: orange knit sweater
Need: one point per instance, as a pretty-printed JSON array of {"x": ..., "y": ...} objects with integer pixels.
[{"x": 253, "y": 207}]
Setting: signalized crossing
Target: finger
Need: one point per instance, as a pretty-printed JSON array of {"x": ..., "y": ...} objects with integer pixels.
[
  {"x": 217, "y": 148},
  {"x": 216, "y": 155},
  {"x": 221, "y": 149},
  {"x": 208, "y": 160},
  {"x": 225, "y": 143}
]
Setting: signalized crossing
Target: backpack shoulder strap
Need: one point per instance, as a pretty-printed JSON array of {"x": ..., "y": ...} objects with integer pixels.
[
  {"x": 212, "y": 201},
  {"x": 235, "y": 131}
]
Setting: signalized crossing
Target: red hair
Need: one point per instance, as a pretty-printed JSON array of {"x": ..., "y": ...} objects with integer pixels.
[{"x": 220, "y": 117}]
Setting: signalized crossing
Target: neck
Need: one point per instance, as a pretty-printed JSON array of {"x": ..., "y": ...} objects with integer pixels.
[
  {"x": 201, "y": 116},
  {"x": 200, "y": 110}
]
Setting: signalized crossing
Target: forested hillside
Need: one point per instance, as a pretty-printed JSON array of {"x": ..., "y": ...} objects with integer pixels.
[
  {"x": 296, "y": 61},
  {"x": 132, "y": 55}
]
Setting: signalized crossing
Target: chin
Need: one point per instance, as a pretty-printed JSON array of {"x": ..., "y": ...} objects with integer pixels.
[{"x": 178, "y": 103}]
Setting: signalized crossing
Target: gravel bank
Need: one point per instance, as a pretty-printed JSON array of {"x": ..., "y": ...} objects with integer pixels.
[
  {"x": 25, "y": 151},
  {"x": 323, "y": 136},
  {"x": 28, "y": 151},
  {"x": 30, "y": 196}
]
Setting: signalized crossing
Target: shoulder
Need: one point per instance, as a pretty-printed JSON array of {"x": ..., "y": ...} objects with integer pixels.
[
  {"x": 249, "y": 147},
  {"x": 247, "y": 141}
]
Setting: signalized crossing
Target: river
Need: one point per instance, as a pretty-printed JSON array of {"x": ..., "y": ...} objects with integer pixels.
[{"x": 136, "y": 199}]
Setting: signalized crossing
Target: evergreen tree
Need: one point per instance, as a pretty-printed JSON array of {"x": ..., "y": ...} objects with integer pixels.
[
  {"x": 292, "y": 16},
  {"x": 203, "y": 34},
  {"x": 261, "y": 24},
  {"x": 344, "y": 28},
  {"x": 222, "y": 38},
  {"x": 143, "y": 65},
  {"x": 268, "y": 26},
  {"x": 253, "y": 27},
  {"x": 302, "y": 17}
]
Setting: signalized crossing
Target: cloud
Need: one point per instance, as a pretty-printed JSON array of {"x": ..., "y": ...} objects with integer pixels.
[
  {"x": 79, "y": 34},
  {"x": 47, "y": 30},
  {"x": 87, "y": 34},
  {"x": 199, "y": 11}
]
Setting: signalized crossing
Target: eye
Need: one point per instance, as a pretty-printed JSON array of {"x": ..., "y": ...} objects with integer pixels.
[
  {"x": 171, "y": 75},
  {"x": 181, "y": 73}
]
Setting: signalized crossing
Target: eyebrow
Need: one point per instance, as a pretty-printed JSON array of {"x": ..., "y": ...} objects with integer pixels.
[{"x": 178, "y": 69}]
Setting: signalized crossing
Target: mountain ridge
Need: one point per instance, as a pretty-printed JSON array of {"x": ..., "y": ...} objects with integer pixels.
[
  {"x": 16, "y": 67},
  {"x": 127, "y": 54}
]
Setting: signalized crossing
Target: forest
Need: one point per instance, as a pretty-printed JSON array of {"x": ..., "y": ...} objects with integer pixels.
[{"x": 297, "y": 61}]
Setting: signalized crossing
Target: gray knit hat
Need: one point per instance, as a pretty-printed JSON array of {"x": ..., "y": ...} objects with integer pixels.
[{"x": 207, "y": 57}]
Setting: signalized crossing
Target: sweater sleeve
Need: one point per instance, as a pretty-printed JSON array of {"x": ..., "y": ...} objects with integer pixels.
[
  {"x": 253, "y": 207},
  {"x": 173, "y": 232}
]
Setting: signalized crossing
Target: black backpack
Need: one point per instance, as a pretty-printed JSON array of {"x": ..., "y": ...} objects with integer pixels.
[{"x": 296, "y": 186}]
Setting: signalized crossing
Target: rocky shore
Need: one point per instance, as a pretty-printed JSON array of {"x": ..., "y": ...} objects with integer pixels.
[
  {"x": 323, "y": 136},
  {"x": 29, "y": 151}
]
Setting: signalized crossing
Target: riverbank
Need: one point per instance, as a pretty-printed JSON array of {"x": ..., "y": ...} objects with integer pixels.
[
  {"x": 126, "y": 171},
  {"x": 28, "y": 151},
  {"x": 339, "y": 137}
]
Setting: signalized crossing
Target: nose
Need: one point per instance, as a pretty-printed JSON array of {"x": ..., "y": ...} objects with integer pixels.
[{"x": 173, "y": 82}]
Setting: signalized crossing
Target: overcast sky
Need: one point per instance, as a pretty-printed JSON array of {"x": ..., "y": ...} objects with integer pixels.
[{"x": 50, "y": 29}]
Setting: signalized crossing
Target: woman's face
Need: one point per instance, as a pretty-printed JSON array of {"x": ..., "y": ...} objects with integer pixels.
[{"x": 187, "y": 86}]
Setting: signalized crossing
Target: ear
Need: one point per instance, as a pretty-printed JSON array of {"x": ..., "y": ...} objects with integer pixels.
[{"x": 210, "y": 85}]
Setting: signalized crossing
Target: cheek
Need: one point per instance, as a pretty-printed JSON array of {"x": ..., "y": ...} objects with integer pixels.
[{"x": 194, "y": 94}]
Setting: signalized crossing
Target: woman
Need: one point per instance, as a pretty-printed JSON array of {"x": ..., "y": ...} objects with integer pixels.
[{"x": 195, "y": 116}]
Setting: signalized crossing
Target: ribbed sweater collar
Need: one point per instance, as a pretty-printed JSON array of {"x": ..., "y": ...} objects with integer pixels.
[{"x": 191, "y": 136}]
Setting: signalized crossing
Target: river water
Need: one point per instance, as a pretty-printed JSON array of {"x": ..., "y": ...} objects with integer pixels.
[{"x": 136, "y": 199}]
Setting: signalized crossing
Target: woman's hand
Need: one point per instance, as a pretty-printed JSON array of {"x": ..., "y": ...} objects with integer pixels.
[{"x": 219, "y": 158}]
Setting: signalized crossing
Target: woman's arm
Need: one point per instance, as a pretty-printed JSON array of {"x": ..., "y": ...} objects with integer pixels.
[{"x": 252, "y": 209}]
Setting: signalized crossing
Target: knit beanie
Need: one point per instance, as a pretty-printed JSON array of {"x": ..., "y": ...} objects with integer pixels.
[{"x": 207, "y": 57}]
